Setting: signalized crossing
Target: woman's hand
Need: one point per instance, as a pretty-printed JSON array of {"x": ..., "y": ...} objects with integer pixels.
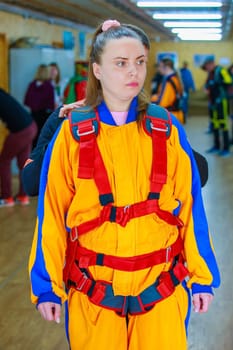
[
  {"x": 50, "y": 311},
  {"x": 66, "y": 109},
  {"x": 202, "y": 301}
]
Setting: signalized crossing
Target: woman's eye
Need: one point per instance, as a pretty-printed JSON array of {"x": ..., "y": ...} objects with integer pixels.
[
  {"x": 140, "y": 62},
  {"x": 120, "y": 63}
]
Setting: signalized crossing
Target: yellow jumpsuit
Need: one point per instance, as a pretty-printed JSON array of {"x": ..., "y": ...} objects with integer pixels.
[
  {"x": 66, "y": 201},
  {"x": 166, "y": 96}
]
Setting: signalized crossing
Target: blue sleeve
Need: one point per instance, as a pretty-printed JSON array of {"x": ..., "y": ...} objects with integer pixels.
[{"x": 200, "y": 225}]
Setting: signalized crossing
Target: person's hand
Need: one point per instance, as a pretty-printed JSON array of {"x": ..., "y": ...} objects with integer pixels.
[
  {"x": 202, "y": 301},
  {"x": 50, "y": 311},
  {"x": 66, "y": 109}
]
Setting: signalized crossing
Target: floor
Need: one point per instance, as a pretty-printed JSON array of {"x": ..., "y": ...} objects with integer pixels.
[{"x": 21, "y": 327}]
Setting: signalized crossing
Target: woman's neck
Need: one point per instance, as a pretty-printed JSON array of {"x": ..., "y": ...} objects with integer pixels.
[{"x": 117, "y": 105}]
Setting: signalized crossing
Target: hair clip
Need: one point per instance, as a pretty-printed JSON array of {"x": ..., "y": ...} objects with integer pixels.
[{"x": 109, "y": 24}]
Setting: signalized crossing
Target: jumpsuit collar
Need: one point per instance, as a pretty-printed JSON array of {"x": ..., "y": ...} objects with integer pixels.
[{"x": 106, "y": 116}]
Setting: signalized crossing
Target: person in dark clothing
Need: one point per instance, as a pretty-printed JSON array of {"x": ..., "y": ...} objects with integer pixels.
[
  {"x": 40, "y": 98},
  {"x": 188, "y": 84},
  {"x": 216, "y": 84},
  {"x": 32, "y": 168},
  {"x": 156, "y": 81},
  {"x": 17, "y": 144}
]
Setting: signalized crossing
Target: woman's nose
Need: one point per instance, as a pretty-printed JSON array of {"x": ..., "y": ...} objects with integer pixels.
[{"x": 132, "y": 69}]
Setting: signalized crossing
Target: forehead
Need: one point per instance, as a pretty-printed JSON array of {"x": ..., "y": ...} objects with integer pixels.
[{"x": 124, "y": 47}]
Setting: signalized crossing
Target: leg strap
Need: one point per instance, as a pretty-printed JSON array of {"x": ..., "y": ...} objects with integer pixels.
[{"x": 101, "y": 293}]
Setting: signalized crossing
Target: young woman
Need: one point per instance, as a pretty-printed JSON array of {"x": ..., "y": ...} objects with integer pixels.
[{"x": 115, "y": 213}]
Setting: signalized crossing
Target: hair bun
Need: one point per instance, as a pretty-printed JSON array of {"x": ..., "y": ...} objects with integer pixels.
[{"x": 109, "y": 24}]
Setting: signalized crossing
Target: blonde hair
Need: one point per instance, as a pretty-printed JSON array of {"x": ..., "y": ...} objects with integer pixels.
[{"x": 42, "y": 73}]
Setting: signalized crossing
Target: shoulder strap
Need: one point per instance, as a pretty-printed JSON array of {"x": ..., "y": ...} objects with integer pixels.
[
  {"x": 83, "y": 122},
  {"x": 157, "y": 123},
  {"x": 159, "y": 118},
  {"x": 174, "y": 86},
  {"x": 84, "y": 125}
]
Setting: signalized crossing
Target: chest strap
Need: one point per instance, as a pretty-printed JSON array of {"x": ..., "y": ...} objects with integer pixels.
[
  {"x": 101, "y": 293},
  {"x": 122, "y": 215}
]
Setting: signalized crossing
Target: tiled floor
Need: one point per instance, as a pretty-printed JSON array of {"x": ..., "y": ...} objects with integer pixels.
[{"x": 21, "y": 327}]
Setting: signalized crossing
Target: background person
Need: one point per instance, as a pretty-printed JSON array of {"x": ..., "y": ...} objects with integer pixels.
[
  {"x": 17, "y": 144},
  {"x": 39, "y": 98},
  {"x": 170, "y": 90},
  {"x": 216, "y": 84},
  {"x": 188, "y": 85}
]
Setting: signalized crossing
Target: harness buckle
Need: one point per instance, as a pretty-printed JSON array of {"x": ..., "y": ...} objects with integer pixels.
[
  {"x": 74, "y": 234},
  {"x": 158, "y": 129},
  {"x": 126, "y": 208},
  {"x": 168, "y": 253},
  {"x": 84, "y": 133},
  {"x": 123, "y": 216},
  {"x": 84, "y": 279}
]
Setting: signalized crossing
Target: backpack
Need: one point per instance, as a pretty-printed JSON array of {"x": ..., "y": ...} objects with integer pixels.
[{"x": 180, "y": 101}]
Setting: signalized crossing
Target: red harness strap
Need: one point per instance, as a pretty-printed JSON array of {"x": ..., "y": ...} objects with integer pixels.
[
  {"x": 159, "y": 161},
  {"x": 91, "y": 165},
  {"x": 86, "y": 258},
  {"x": 101, "y": 292},
  {"x": 122, "y": 215}
]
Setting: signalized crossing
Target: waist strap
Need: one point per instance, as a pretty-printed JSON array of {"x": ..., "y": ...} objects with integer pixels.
[
  {"x": 86, "y": 257},
  {"x": 101, "y": 293}
]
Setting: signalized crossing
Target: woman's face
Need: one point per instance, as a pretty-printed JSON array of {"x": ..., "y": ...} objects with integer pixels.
[
  {"x": 53, "y": 72},
  {"x": 122, "y": 71},
  {"x": 162, "y": 68}
]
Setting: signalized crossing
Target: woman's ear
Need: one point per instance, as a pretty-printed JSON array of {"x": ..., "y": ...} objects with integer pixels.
[{"x": 96, "y": 70}]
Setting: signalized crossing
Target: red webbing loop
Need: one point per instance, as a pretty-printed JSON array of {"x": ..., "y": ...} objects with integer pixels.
[
  {"x": 159, "y": 160},
  {"x": 166, "y": 286},
  {"x": 86, "y": 132},
  {"x": 86, "y": 258}
]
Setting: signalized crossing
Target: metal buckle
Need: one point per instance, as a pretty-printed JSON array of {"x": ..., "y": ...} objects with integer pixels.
[
  {"x": 126, "y": 208},
  {"x": 86, "y": 132},
  {"x": 168, "y": 253},
  {"x": 85, "y": 278},
  {"x": 158, "y": 129},
  {"x": 74, "y": 237}
]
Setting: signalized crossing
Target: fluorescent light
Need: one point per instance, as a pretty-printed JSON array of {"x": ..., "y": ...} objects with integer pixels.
[
  {"x": 183, "y": 16},
  {"x": 196, "y": 30},
  {"x": 181, "y": 24},
  {"x": 179, "y": 4},
  {"x": 200, "y": 37}
]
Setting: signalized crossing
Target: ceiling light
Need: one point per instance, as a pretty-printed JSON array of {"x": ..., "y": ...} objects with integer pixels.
[
  {"x": 196, "y": 30},
  {"x": 181, "y": 24},
  {"x": 183, "y": 16},
  {"x": 199, "y": 37},
  {"x": 179, "y": 3}
]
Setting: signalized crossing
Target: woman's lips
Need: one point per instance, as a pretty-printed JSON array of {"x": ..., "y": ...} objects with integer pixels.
[{"x": 133, "y": 84}]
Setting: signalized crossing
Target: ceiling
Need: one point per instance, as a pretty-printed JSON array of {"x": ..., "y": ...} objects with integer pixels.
[{"x": 87, "y": 14}]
